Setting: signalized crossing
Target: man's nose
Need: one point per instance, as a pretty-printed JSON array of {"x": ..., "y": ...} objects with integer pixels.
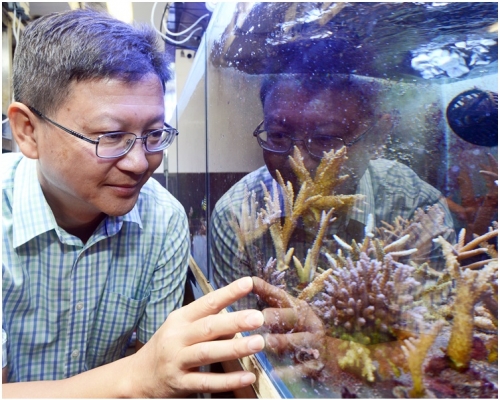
[
  {"x": 135, "y": 160},
  {"x": 300, "y": 142},
  {"x": 310, "y": 162}
]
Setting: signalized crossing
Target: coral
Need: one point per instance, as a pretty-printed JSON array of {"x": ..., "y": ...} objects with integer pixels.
[
  {"x": 270, "y": 274},
  {"x": 323, "y": 185},
  {"x": 294, "y": 208},
  {"x": 477, "y": 210},
  {"x": 306, "y": 272},
  {"x": 316, "y": 286},
  {"x": 368, "y": 298},
  {"x": 471, "y": 284},
  {"x": 388, "y": 288},
  {"x": 464, "y": 251},
  {"x": 358, "y": 356},
  {"x": 314, "y": 203},
  {"x": 415, "y": 351},
  {"x": 425, "y": 226},
  {"x": 251, "y": 223}
]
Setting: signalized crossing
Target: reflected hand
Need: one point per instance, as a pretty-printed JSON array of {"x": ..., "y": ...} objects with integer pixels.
[
  {"x": 294, "y": 328},
  {"x": 197, "y": 335}
]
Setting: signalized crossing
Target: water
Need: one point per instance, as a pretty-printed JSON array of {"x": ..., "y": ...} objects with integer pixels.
[
  {"x": 420, "y": 59},
  {"x": 387, "y": 40}
]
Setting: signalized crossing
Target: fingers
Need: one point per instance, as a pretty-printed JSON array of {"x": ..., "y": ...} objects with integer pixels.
[
  {"x": 299, "y": 371},
  {"x": 300, "y": 318},
  {"x": 272, "y": 295},
  {"x": 280, "y": 320},
  {"x": 222, "y": 326},
  {"x": 213, "y": 302},
  {"x": 281, "y": 343},
  {"x": 201, "y": 382},
  {"x": 222, "y": 350}
]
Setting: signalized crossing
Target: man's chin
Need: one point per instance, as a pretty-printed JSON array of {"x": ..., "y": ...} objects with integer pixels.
[{"x": 120, "y": 210}]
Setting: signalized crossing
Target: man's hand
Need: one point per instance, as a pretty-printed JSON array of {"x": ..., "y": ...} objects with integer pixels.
[
  {"x": 197, "y": 335},
  {"x": 167, "y": 365},
  {"x": 293, "y": 327}
]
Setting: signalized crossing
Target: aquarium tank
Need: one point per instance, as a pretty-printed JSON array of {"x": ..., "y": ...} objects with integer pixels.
[{"x": 346, "y": 156}]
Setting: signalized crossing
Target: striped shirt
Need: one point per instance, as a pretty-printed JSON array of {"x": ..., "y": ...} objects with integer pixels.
[
  {"x": 390, "y": 189},
  {"x": 69, "y": 306}
]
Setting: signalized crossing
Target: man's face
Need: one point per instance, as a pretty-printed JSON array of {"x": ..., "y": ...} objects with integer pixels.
[
  {"x": 291, "y": 110},
  {"x": 79, "y": 186}
]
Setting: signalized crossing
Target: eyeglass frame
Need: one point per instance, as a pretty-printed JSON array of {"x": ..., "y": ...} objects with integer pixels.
[
  {"x": 96, "y": 142},
  {"x": 257, "y": 131}
]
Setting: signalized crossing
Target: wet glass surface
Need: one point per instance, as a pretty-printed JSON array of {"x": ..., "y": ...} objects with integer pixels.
[{"x": 377, "y": 260}]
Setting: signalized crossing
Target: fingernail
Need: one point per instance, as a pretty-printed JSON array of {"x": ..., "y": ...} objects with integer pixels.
[
  {"x": 245, "y": 283},
  {"x": 256, "y": 343},
  {"x": 271, "y": 341},
  {"x": 247, "y": 379},
  {"x": 255, "y": 318}
]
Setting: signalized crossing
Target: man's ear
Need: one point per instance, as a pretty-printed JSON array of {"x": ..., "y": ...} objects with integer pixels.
[
  {"x": 22, "y": 123},
  {"x": 385, "y": 122},
  {"x": 384, "y": 126}
]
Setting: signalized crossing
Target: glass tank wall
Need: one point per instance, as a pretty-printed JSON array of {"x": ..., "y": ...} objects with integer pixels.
[{"x": 348, "y": 158}]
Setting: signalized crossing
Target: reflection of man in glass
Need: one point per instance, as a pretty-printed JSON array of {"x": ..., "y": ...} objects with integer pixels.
[{"x": 317, "y": 115}]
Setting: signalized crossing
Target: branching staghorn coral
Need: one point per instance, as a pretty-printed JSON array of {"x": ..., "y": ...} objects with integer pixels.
[
  {"x": 358, "y": 356},
  {"x": 419, "y": 233},
  {"x": 416, "y": 351},
  {"x": 294, "y": 208},
  {"x": 316, "y": 286},
  {"x": 484, "y": 319},
  {"x": 464, "y": 251},
  {"x": 425, "y": 226},
  {"x": 471, "y": 284},
  {"x": 308, "y": 270},
  {"x": 252, "y": 224},
  {"x": 325, "y": 180},
  {"x": 314, "y": 196}
]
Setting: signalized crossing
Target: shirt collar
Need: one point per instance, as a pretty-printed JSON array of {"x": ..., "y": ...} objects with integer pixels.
[
  {"x": 133, "y": 216},
  {"x": 31, "y": 215},
  {"x": 365, "y": 206}
]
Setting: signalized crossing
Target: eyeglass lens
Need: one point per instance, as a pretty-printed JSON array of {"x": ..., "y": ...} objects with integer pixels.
[
  {"x": 282, "y": 143},
  {"x": 118, "y": 143}
]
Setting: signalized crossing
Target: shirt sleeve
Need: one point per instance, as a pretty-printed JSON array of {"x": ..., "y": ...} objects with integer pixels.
[
  {"x": 169, "y": 277},
  {"x": 224, "y": 255},
  {"x": 229, "y": 259},
  {"x": 399, "y": 192}
]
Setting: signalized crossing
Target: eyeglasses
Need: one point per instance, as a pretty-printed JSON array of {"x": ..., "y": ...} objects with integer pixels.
[
  {"x": 316, "y": 145},
  {"x": 117, "y": 144}
]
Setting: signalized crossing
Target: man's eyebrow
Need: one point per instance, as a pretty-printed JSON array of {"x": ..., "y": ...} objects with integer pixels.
[{"x": 113, "y": 119}]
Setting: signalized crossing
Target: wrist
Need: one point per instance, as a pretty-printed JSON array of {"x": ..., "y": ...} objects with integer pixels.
[
  {"x": 118, "y": 379},
  {"x": 132, "y": 384}
]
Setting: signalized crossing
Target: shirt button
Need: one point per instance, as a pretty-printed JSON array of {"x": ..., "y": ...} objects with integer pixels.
[
  {"x": 75, "y": 354},
  {"x": 79, "y": 307}
]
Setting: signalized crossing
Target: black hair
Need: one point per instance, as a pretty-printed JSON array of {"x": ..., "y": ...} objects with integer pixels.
[
  {"x": 364, "y": 91},
  {"x": 58, "y": 49}
]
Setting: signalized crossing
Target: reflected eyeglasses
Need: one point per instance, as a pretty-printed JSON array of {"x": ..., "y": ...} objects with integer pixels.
[
  {"x": 316, "y": 145},
  {"x": 117, "y": 144}
]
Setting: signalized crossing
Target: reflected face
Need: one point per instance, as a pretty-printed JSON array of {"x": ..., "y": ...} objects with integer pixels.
[
  {"x": 291, "y": 110},
  {"x": 79, "y": 186}
]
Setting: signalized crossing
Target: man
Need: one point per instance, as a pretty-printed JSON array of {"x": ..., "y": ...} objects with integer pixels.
[
  {"x": 93, "y": 249},
  {"x": 317, "y": 114}
]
